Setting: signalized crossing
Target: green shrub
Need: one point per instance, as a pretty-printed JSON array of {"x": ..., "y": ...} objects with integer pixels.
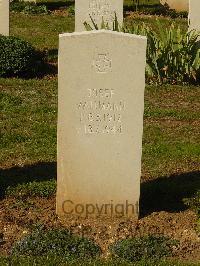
[
  {"x": 144, "y": 248},
  {"x": 56, "y": 242},
  {"x": 29, "y": 8},
  {"x": 173, "y": 56},
  {"x": 17, "y": 57},
  {"x": 71, "y": 10},
  {"x": 18, "y": 6},
  {"x": 35, "y": 10},
  {"x": 44, "y": 189}
]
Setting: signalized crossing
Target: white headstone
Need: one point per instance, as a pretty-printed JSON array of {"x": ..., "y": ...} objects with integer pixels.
[
  {"x": 178, "y": 5},
  {"x": 98, "y": 10},
  {"x": 4, "y": 17},
  {"x": 194, "y": 15},
  {"x": 100, "y": 122}
]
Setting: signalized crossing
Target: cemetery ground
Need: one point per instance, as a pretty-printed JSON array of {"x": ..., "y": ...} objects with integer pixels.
[{"x": 170, "y": 160}]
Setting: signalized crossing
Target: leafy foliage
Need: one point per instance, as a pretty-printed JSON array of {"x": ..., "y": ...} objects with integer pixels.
[
  {"x": 35, "y": 10},
  {"x": 29, "y": 8},
  {"x": 172, "y": 55},
  {"x": 18, "y": 6},
  {"x": 137, "y": 249},
  {"x": 17, "y": 57},
  {"x": 71, "y": 10},
  {"x": 56, "y": 242}
]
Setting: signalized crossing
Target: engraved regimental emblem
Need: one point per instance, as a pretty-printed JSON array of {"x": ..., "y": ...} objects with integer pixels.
[{"x": 102, "y": 63}]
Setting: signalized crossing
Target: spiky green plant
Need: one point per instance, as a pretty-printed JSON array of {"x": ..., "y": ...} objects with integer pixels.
[{"x": 173, "y": 56}]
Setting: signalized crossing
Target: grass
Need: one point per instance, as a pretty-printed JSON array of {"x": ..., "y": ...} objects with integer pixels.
[
  {"x": 29, "y": 110},
  {"x": 170, "y": 142},
  {"x": 41, "y": 31},
  {"x": 55, "y": 260}
]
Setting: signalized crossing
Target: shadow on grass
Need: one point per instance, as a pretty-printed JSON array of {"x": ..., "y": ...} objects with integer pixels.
[
  {"x": 47, "y": 66},
  {"x": 52, "y": 55},
  {"x": 45, "y": 69},
  {"x": 18, "y": 175},
  {"x": 161, "y": 194},
  {"x": 56, "y": 5},
  {"x": 143, "y": 7},
  {"x": 167, "y": 193}
]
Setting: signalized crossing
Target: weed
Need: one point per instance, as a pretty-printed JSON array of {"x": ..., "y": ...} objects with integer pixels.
[
  {"x": 56, "y": 242},
  {"x": 149, "y": 247}
]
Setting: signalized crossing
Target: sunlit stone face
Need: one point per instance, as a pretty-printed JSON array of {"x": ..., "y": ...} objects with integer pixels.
[
  {"x": 100, "y": 121},
  {"x": 194, "y": 15}
]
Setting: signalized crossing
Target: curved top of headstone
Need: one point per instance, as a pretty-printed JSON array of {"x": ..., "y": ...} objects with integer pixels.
[{"x": 98, "y": 32}]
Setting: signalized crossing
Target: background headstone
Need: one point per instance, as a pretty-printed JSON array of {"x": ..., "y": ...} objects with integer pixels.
[
  {"x": 194, "y": 15},
  {"x": 4, "y": 17},
  {"x": 97, "y": 9},
  {"x": 100, "y": 120},
  {"x": 178, "y": 5}
]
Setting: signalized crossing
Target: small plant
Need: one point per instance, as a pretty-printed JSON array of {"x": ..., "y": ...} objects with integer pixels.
[
  {"x": 173, "y": 56},
  {"x": 144, "y": 248},
  {"x": 71, "y": 10},
  {"x": 44, "y": 189},
  {"x": 17, "y": 57},
  {"x": 194, "y": 204},
  {"x": 56, "y": 242}
]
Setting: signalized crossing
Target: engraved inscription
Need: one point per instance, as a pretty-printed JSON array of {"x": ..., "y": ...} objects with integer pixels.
[
  {"x": 100, "y": 113},
  {"x": 102, "y": 63},
  {"x": 101, "y": 10}
]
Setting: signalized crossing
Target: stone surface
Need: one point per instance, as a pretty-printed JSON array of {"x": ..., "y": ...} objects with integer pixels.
[
  {"x": 179, "y": 5},
  {"x": 97, "y": 9},
  {"x": 100, "y": 122},
  {"x": 4, "y": 17},
  {"x": 194, "y": 15}
]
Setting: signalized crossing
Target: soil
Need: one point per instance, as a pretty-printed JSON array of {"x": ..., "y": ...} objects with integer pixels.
[{"x": 19, "y": 217}]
